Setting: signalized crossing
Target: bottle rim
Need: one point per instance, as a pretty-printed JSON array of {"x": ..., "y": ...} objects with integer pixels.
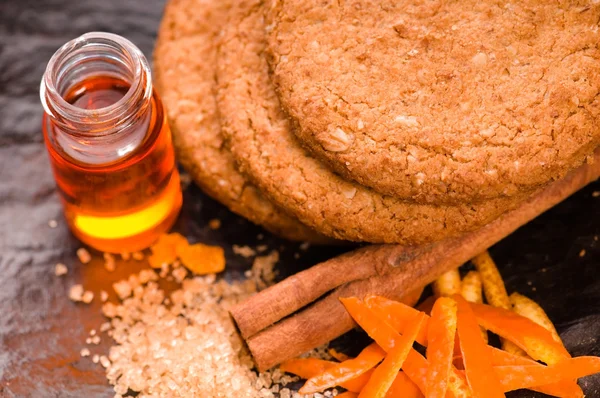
[{"x": 106, "y": 118}]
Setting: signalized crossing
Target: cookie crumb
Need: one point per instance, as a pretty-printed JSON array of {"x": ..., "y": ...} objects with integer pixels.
[
  {"x": 125, "y": 256},
  {"x": 84, "y": 352},
  {"x": 596, "y": 194},
  {"x": 52, "y": 224},
  {"x": 104, "y": 361},
  {"x": 582, "y": 253},
  {"x": 185, "y": 180},
  {"x": 95, "y": 340},
  {"x": 263, "y": 272},
  {"x": 244, "y": 251},
  {"x": 103, "y": 296},
  {"x": 60, "y": 269},
  {"x": 260, "y": 236},
  {"x": 214, "y": 224},
  {"x": 96, "y": 358},
  {"x": 76, "y": 293},
  {"x": 84, "y": 255},
  {"x": 305, "y": 246}
]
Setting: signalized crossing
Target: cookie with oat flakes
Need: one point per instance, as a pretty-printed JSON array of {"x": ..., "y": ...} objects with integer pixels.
[
  {"x": 263, "y": 143},
  {"x": 441, "y": 101}
]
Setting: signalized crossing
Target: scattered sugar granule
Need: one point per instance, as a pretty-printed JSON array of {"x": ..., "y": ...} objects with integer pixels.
[
  {"x": 103, "y": 296},
  {"x": 214, "y": 224},
  {"x": 109, "y": 310},
  {"x": 109, "y": 262},
  {"x": 84, "y": 352},
  {"x": 147, "y": 275},
  {"x": 582, "y": 253},
  {"x": 244, "y": 251},
  {"x": 104, "y": 361},
  {"x": 87, "y": 297},
  {"x": 123, "y": 289},
  {"x": 76, "y": 293},
  {"x": 60, "y": 269},
  {"x": 125, "y": 256},
  {"x": 84, "y": 255},
  {"x": 179, "y": 274},
  {"x": 105, "y": 326},
  {"x": 52, "y": 224},
  {"x": 164, "y": 270},
  {"x": 137, "y": 256},
  {"x": 96, "y": 358},
  {"x": 596, "y": 194}
]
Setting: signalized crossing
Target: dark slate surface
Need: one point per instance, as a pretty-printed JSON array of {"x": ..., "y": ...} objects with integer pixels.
[{"x": 41, "y": 331}]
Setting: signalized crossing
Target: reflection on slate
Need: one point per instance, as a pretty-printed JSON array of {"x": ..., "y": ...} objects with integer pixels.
[{"x": 42, "y": 332}]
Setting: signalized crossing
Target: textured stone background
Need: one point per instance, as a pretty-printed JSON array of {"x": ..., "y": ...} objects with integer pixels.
[{"x": 41, "y": 331}]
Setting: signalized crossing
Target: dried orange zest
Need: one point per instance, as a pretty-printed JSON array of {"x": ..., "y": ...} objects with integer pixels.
[
  {"x": 339, "y": 356},
  {"x": 530, "y": 309},
  {"x": 478, "y": 366},
  {"x": 440, "y": 336},
  {"x": 403, "y": 387},
  {"x": 526, "y": 334},
  {"x": 564, "y": 388},
  {"x": 384, "y": 375},
  {"x": 397, "y": 315},
  {"x": 164, "y": 251},
  {"x": 306, "y": 367},
  {"x": 202, "y": 259},
  {"x": 345, "y": 371},
  {"x": 415, "y": 367},
  {"x": 527, "y": 376}
]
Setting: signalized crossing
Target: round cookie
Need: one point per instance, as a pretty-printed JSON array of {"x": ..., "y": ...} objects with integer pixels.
[
  {"x": 441, "y": 101},
  {"x": 262, "y": 142},
  {"x": 184, "y": 73}
]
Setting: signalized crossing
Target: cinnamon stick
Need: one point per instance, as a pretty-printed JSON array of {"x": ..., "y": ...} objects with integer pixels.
[
  {"x": 295, "y": 292},
  {"x": 400, "y": 270}
]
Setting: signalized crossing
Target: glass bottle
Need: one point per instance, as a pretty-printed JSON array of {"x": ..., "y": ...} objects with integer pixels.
[{"x": 109, "y": 144}]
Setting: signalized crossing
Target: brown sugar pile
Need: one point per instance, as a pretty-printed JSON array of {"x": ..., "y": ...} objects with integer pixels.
[{"x": 184, "y": 344}]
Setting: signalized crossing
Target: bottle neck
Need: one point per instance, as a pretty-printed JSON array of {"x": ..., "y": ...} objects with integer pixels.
[{"x": 91, "y": 56}]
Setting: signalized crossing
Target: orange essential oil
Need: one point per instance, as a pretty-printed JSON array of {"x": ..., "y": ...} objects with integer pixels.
[{"x": 109, "y": 144}]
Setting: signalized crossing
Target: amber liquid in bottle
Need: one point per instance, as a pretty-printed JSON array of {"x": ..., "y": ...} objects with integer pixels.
[{"x": 126, "y": 202}]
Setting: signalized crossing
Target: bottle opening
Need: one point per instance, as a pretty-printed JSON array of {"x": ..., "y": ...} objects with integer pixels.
[{"x": 96, "y": 84}]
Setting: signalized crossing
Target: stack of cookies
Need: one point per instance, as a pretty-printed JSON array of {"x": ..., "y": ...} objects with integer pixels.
[{"x": 381, "y": 121}]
